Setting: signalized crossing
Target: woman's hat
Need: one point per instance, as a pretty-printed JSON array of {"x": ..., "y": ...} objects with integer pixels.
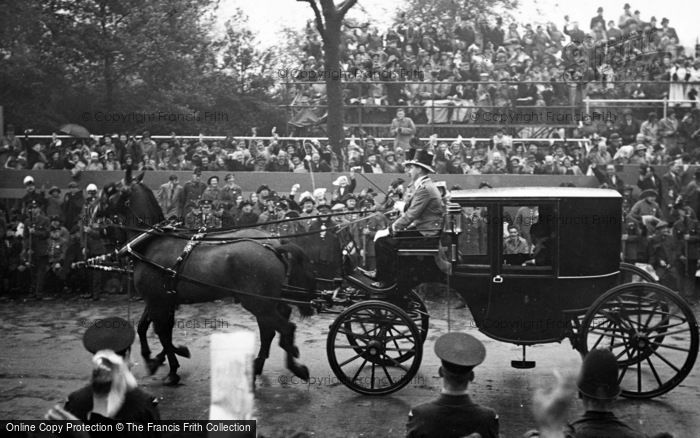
[
  {"x": 649, "y": 192},
  {"x": 420, "y": 158},
  {"x": 341, "y": 181}
]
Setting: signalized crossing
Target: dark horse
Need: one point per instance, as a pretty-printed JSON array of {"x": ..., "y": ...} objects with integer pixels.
[{"x": 252, "y": 271}]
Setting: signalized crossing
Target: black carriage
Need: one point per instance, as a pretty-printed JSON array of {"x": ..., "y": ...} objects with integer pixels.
[{"x": 572, "y": 287}]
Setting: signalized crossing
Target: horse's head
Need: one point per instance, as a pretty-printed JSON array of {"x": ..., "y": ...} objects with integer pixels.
[
  {"x": 113, "y": 200},
  {"x": 130, "y": 200}
]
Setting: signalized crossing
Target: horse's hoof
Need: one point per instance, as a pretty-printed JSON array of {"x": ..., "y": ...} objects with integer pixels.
[
  {"x": 153, "y": 366},
  {"x": 301, "y": 372},
  {"x": 171, "y": 380},
  {"x": 182, "y": 351}
]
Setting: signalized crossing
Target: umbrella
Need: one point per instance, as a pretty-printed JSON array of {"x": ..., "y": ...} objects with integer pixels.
[{"x": 75, "y": 130}]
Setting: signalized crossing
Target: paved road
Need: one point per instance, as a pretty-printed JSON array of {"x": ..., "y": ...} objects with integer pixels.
[{"x": 43, "y": 360}]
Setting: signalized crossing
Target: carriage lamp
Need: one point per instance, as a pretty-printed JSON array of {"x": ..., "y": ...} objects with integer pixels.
[{"x": 453, "y": 222}]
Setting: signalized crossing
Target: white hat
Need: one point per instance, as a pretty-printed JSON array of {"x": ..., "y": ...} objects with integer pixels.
[
  {"x": 28, "y": 180},
  {"x": 94, "y": 155},
  {"x": 320, "y": 193},
  {"x": 341, "y": 180},
  {"x": 91, "y": 188}
]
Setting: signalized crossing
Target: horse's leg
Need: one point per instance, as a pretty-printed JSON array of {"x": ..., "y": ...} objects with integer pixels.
[
  {"x": 280, "y": 320},
  {"x": 163, "y": 322},
  {"x": 142, "y": 329},
  {"x": 267, "y": 334}
]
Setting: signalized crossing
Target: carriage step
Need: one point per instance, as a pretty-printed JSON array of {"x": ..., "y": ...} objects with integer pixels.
[
  {"x": 522, "y": 364},
  {"x": 366, "y": 283}
]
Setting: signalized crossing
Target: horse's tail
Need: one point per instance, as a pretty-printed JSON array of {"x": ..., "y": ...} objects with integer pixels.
[{"x": 299, "y": 272}]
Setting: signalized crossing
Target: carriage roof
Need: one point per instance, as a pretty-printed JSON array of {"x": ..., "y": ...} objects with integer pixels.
[{"x": 517, "y": 193}]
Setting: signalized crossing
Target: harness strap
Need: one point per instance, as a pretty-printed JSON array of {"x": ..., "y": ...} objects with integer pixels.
[
  {"x": 176, "y": 274},
  {"x": 180, "y": 262}
]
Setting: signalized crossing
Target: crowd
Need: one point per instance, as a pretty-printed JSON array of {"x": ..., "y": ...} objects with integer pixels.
[
  {"x": 430, "y": 59},
  {"x": 654, "y": 140},
  {"x": 45, "y": 232}
]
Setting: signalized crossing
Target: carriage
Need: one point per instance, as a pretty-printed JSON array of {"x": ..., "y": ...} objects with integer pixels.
[
  {"x": 573, "y": 287},
  {"x": 579, "y": 291}
]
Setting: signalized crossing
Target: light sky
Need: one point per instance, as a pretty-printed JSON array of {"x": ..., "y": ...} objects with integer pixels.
[{"x": 267, "y": 17}]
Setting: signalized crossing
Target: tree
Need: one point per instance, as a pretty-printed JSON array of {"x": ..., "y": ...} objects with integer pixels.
[{"x": 329, "y": 22}]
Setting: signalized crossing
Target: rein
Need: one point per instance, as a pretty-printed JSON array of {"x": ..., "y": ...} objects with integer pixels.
[{"x": 182, "y": 233}]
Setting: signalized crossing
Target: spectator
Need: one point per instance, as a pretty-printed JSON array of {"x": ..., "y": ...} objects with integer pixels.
[
  {"x": 453, "y": 414},
  {"x": 54, "y": 203},
  {"x": 344, "y": 186},
  {"x": 403, "y": 129},
  {"x": 247, "y": 217},
  {"x": 169, "y": 198},
  {"x": 645, "y": 213},
  {"x": 36, "y": 249},
  {"x": 192, "y": 192},
  {"x": 94, "y": 163},
  {"x": 72, "y": 206},
  {"x": 598, "y": 388},
  {"x": 113, "y": 394}
]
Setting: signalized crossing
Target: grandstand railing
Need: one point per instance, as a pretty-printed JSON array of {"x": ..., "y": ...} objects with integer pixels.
[
  {"x": 308, "y": 138},
  {"x": 634, "y": 103},
  {"x": 363, "y": 114}
]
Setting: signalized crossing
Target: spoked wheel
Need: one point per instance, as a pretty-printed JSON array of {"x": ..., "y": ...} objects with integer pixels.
[
  {"x": 419, "y": 313},
  {"x": 374, "y": 348},
  {"x": 416, "y": 310},
  {"x": 652, "y": 332},
  {"x": 630, "y": 273}
]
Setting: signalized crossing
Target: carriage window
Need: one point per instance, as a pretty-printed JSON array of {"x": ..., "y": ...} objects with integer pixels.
[
  {"x": 528, "y": 237},
  {"x": 473, "y": 241}
]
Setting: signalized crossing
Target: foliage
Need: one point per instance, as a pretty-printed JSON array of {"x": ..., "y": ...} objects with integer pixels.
[
  {"x": 82, "y": 62},
  {"x": 445, "y": 10}
]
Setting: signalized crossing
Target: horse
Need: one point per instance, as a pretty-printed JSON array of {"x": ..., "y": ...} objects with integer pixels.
[{"x": 251, "y": 271}]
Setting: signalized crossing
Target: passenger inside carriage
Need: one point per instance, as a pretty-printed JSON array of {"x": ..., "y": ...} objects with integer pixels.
[{"x": 543, "y": 242}]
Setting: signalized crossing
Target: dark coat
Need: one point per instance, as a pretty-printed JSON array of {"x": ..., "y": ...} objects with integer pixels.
[
  {"x": 451, "y": 416},
  {"x": 139, "y": 407},
  {"x": 599, "y": 424}
]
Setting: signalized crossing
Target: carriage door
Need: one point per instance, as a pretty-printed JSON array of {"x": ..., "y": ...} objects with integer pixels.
[
  {"x": 523, "y": 305},
  {"x": 475, "y": 248}
]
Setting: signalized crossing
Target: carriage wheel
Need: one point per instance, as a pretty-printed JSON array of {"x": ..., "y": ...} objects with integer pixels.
[
  {"x": 416, "y": 310},
  {"x": 652, "y": 332},
  {"x": 630, "y": 273},
  {"x": 419, "y": 313},
  {"x": 374, "y": 348}
]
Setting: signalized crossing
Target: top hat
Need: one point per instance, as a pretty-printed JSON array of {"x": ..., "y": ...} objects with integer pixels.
[
  {"x": 459, "y": 352},
  {"x": 112, "y": 333},
  {"x": 598, "y": 378},
  {"x": 420, "y": 158}
]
